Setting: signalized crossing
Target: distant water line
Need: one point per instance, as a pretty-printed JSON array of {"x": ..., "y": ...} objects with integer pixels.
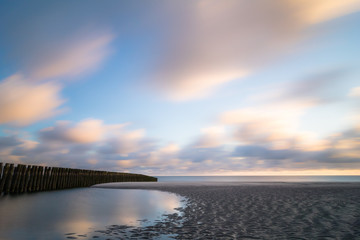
[{"x": 259, "y": 178}]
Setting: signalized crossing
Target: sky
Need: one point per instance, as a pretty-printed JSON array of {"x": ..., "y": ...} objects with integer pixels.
[{"x": 202, "y": 87}]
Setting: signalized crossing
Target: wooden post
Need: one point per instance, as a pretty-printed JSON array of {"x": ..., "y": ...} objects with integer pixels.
[
  {"x": 67, "y": 178},
  {"x": 36, "y": 179},
  {"x": 41, "y": 178},
  {"x": 9, "y": 178},
  {"x": 63, "y": 178},
  {"x": 58, "y": 184},
  {"x": 71, "y": 178},
  {"x": 46, "y": 178},
  {"x": 63, "y": 182},
  {"x": 28, "y": 179},
  {"x": 1, "y": 170},
  {"x": 14, "y": 179},
  {"x": 51, "y": 177},
  {"x": 48, "y": 182},
  {"x": 31, "y": 179},
  {"x": 4, "y": 177},
  {"x": 54, "y": 179},
  {"x": 17, "y": 178},
  {"x": 23, "y": 179}
]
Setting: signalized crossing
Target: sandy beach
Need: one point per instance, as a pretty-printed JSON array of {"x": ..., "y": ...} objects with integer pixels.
[{"x": 234, "y": 210}]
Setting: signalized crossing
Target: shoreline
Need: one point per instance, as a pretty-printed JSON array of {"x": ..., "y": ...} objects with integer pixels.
[{"x": 244, "y": 210}]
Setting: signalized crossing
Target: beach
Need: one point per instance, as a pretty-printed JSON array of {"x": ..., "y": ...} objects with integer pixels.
[{"x": 238, "y": 210}]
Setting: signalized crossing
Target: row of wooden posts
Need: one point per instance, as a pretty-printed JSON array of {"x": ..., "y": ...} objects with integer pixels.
[{"x": 30, "y": 178}]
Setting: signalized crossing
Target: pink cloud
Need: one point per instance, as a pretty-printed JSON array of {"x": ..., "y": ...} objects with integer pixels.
[
  {"x": 86, "y": 131},
  {"x": 23, "y": 102},
  {"x": 215, "y": 42}
]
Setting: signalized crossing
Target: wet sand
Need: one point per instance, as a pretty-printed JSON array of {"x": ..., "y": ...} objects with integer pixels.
[{"x": 223, "y": 210}]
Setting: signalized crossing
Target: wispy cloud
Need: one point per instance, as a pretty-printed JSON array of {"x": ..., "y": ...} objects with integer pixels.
[
  {"x": 25, "y": 100},
  {"x": 217, "y": 42},
  {"x": 274, "y": 116},
  {"x": 79, "y": 56}
]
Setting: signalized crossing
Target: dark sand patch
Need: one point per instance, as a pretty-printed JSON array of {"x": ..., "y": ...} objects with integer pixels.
[{"x": 222, "y": 210}]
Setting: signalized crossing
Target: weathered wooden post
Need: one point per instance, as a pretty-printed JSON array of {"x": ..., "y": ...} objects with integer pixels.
[
  {"x": 15, "y": 188},
  {"x": 24, "y": 179},
  {"x": 28, "y": 179},
  {"x": 40, "y": 178},
  {"x": 60, "y": 176},
  {"x": 14, "y": 179},
  {"x": 65, "y": 182},
  {"x": 9, "y": 178},
  {"x": 36, "y": 179},
  {"x": 4, "y": 177},
  {"x": 1, "y": 170},
  {"x": 46, "y": 178},
  {"x": 54, "y": 183},
  {"x": 68, "y": 180},
  {"x": 21, "y": 177}
]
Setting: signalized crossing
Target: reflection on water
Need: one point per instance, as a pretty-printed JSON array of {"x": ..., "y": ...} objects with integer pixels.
[{"x": 50, "y": 215}]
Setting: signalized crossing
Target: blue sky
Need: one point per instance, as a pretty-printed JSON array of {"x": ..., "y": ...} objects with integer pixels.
[{"x": 182, "y": 87}]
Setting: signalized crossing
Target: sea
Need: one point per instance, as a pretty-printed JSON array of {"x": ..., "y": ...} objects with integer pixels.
[
  {"x": 258, "y": 178},
  {"x": 83, "y": 213}
]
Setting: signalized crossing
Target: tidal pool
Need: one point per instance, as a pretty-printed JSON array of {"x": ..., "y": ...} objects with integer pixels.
[{"x": 79, "y": 213}]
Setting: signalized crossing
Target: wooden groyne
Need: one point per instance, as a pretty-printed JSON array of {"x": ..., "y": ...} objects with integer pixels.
[{"x": 30, "y": 178}]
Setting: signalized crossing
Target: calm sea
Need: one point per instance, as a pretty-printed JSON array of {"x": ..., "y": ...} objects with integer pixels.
[
  {"x": 80, "y": 213},
  {"x": 258, "y": 178}
]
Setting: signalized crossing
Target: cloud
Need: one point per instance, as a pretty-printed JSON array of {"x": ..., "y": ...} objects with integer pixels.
[
  {"x": 86, "y": 131},
  {"x": 77, "y": 57},
  {"x": 314, "y": 89},
  {"x": 318, "y": 11},
  {"x": 269, "y": 124},
  {"x": 219, "y": 41},
  {"x": 173, "y": 159},
  {"x": 275, "y": 126},
  {"x": 274, "y": 116},
  {"x": 354, "y": 92},
  {"x": 86, "y": 144},
  {"x": 23, "y": 102},
  {"x": 343, "y": 153},
  {"x": 9, "y": 141},
  {"x": 124, "y": 143},
  {"x": 211, "y": 137}
]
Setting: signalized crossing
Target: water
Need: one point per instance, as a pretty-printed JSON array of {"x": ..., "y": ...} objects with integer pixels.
[
  {"x": 83, "y": 211},
  {"x": 258, "y": 178},
  {"x": 50, "y": 215}
]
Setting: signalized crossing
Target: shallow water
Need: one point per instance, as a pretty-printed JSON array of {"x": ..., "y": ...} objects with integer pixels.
[
  {"x": 52, "y": 215},
  {"x": 258, "y": 178}
]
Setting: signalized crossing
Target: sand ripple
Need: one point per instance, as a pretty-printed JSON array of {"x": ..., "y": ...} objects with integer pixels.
[{"x": 254, "y": 211}]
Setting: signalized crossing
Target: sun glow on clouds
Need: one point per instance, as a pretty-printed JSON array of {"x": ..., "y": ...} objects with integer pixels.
[
  {"x": 354, "y": 92},
  {"x": 23, "y": 102},
  {"x": 200, "y": 46},
  {"x": 86, "y": 131},
  {"x": 228, "y": 40}
]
